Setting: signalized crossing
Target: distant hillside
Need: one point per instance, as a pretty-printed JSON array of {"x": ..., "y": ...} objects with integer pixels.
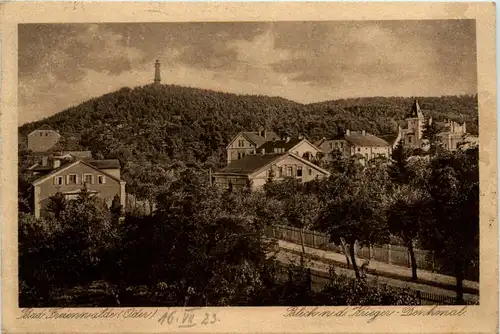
[{"x": 164, "y": 124}]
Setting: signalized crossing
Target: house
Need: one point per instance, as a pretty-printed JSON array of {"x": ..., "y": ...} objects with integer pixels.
[
  {"x": 455, "y": 134},
  {"x": 352, "y": 143},
  {"x": 452, "y": 135},
  {"x": 254, "y": 170},
  {"x": 69, "y": 176},
  {"x": 245, "y": 143},
  {"x": 412, "y": 135},
  {"x": 298, "y": 146},
  {"x": 43, "y": 139}
]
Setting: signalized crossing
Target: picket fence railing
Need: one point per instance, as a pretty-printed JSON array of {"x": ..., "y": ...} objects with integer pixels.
[{"x": 392, "y": 254}]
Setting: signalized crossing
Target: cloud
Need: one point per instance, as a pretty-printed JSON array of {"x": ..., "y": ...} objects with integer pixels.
[{"x": 64, "y": 64}]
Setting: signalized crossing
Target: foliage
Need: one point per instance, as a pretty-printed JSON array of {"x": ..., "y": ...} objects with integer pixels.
[
  {"x": 166, "y": 125},
  {"x": 356, "y": 209},
  {"x": 453, "y": 231}
]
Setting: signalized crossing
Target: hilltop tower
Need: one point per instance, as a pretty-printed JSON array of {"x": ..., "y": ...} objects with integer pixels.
[{"x": 157, "y": 79}]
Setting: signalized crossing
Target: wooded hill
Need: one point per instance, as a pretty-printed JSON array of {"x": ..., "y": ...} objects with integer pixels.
[{"x": 167, "y": 123}]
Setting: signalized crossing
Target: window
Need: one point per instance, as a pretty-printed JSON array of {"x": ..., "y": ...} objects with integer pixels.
[
  {"x": 342, "y": 144},
  {"x": 46, "y": 134},
  {"x": 72, "y": 178},
  {"x": 289, "y": 171},
  {"x": 280, "y": 171},
  {"x": 241, "y": 143},
  {"x": 366, "y": 156},
  {"x": 409, "y": 140},
  {"x": 239, "y": 155},
  {"x": 41, "y": 134},
  {"x": 331, "y": 145},
  {"x": 359, "y": 149},
  {"x": 310, "y": 171},
  {"x": 87, "y": 178},
  {"x": 101, "y": 179},
  {"x": 58, "y": 180},
  {"x": 299, "y": 171}
]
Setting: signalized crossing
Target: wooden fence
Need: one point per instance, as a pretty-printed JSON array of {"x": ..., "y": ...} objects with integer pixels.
[
  {"x": 424, "y": 298},
  {"x": 392, "y": 254}
]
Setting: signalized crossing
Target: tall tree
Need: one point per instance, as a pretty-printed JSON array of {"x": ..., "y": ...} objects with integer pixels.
[
  {"x": 453, "y": 231},
  {"x": 357, "y": 213},
  {"x": 406, "y": 214}
]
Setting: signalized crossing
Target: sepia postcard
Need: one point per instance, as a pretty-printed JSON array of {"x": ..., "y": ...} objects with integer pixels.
[{"x": 248, "y": 167}]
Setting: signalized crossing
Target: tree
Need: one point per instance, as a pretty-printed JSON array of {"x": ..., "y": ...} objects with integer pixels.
[
  {"x": 453, "y": 232},
  {"x": 116, "y": 208},
  {"x": 406, "y": 215},
  {"x": 56, "y": 205},
  {"x": 357, "y": 211},
  {"x": 398, "y": 169},
  {"x": 302, "y": 210},
  {"x": 86, "y": 221},
  {"x": 431, "y": 138}
]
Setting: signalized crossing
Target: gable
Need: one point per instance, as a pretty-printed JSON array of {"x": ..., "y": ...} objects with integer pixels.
[
  {"x": 235, "y": 142},
  {"x": 78, "y": 168},
  {"x": 44, "y": 133},
  {"x": 289, "y": 159},
  {"x": 305, "y": 146}
]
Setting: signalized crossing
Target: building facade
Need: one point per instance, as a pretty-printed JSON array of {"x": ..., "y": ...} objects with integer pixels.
[
  {"x": 43, "y": 139},
  {"x": 352, "y": 143},
  {"x": 254, "y": 170},
  {"x": 245, "y": 143},
  {"x": 455, "y": 134},
  {"x": 298, "y": 146},
  {"x": 69, "y": 178},
  {"x": 411, "y": 135}
]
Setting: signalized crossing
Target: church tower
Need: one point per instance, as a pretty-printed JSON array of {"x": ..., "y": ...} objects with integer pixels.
[
  {"x": 157, "y": 79},
  {"x": 412, "y": 135}
]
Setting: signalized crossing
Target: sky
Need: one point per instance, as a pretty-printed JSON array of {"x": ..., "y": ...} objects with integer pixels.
[{"x": 62, "y": 65}]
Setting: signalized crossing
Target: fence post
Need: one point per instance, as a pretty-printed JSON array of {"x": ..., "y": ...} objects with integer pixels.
[
  {"x": 370, "y": 252},
  {"x": 419, "y": 297},
  {"x": 314, "y": 239},
  {"x": 389, "y": 260}
]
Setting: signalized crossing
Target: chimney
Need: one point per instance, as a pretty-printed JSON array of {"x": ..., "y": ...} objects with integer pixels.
[
  {"x": 363, "y": 132},
  {"x": 157, "y": 79},
  {"x": 348, "y": 132},
  {"x": 57, "y": 163}
]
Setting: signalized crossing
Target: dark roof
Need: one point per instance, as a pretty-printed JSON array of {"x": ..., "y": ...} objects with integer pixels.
[
  {"x": 105, "y": 164},
  {"x": 85, "y": 162},
  {"x": 250, "y": 163},
  {"x": 415, "y": 111},
  {"x": 44, "y": 127},
  {"x": 389, "y": 137},
  {"x": 287, "y": 145},
  {"x": 259, "y": 140},
  {"x": 357, "y": 138}
]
